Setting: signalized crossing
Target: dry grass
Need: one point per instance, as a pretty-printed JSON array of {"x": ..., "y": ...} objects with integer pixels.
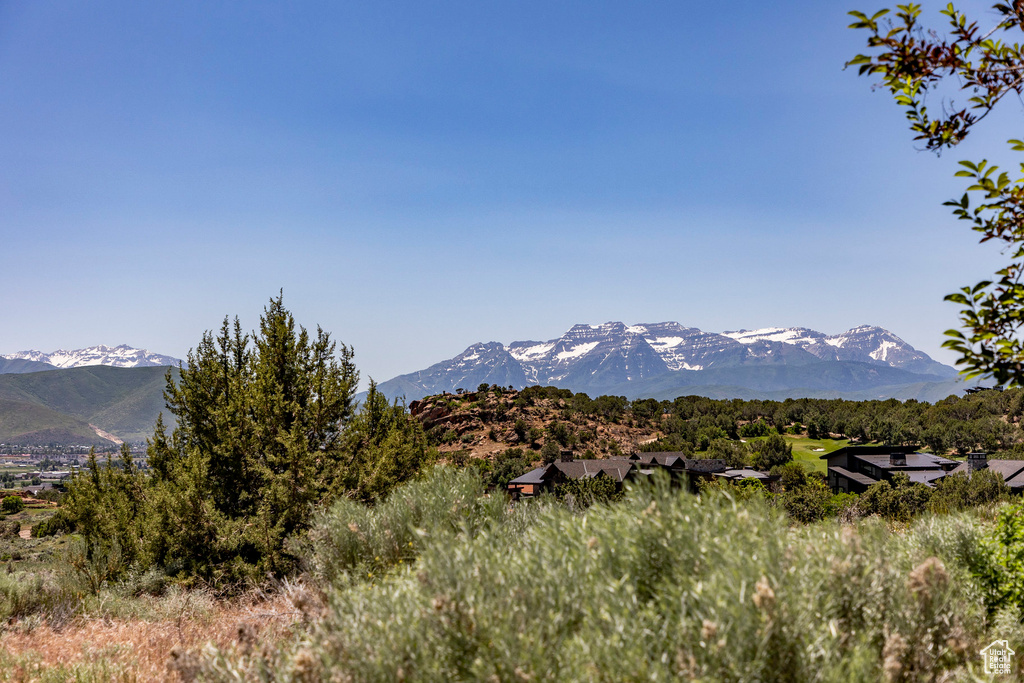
[{"x": 90, "y": 648}]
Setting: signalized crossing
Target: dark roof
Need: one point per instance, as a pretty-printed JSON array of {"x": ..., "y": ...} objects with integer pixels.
[
  {"x": 914, "y": 461},
  {"x": 617, "y": 469},
  {"x": 1008, "y": 468},
  {"x": 868, "y": 450},
  {"x": 854, "y": 476},
  {"x": 745, "y": 473},
  {"x": 537, "y": 476},
  {"x": 706, "y": 465},
  {"x": 663, "y": 459},
  {"x": 926, "y": 477}
]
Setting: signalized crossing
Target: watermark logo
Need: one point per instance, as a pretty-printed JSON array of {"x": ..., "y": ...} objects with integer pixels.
[{"x": 997, "y": 657}]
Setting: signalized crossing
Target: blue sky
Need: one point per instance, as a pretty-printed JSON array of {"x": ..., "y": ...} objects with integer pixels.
[{"x": 421, "y": 176}]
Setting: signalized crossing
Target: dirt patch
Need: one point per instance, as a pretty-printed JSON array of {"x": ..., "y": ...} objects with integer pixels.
[{"x": 148, "y": 648}]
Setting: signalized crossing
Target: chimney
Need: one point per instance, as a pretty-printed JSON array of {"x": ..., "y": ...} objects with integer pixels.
[
  {"x": 566, "y": 456},
  {"x": 976, "y": 461},
  {"x": 897, "y": 460}
]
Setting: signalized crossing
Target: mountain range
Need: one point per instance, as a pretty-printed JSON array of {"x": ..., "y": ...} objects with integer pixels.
[
  {"x": 122, "y": 356},
  {"x": 665, "y": 360},
  {"x": 85, "y": 395},
  {"x": 81, "y": 397}
]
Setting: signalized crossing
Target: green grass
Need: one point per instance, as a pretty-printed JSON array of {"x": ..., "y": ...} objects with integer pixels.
[{"x": 803, "y": 451}]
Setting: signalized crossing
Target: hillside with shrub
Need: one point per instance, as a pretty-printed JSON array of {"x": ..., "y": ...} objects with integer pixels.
[
  {"x": 378, "y": 542},
  {"x": 543, "y": 421}
]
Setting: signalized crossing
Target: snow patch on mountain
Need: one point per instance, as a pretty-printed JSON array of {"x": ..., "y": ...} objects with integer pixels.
[
  {"x": 785, "y": 335},
  {"x": 529, "y": 352},
  {"x": 882, "y": 352},
  {"x": 576, "y": 351},
  {"x": 610, "y": 355},
  {"x": 122, "y": 356}
]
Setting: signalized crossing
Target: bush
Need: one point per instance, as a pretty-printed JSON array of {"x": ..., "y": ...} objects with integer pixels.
[
  {"x": 959, "y": 491},
  {"x": 12, "y": 504},
  {"x": 50, "y": 495},
  {"x": 754, "y": 429},
  {"x": 808, "y": 502},
  {"x": 10, "y": 529},
  {"x": 60, "y": 523},
  {"x": 550, "y": 452},
  {"x": 582, "y": 493},
  {"x": 899, "y": 501},
  {"x": 733, "y": 453},
  {"x": 662, "y": 586},
  {"x": 351, "y": 542},
  {"x": 1002, "y": 572},
  {"x": 505, "y": 467},
  {"x": 792, "y": 475},
  {"x": 770, "y": 452}
]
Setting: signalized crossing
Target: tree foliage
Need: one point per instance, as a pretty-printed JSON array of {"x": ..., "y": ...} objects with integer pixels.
[
  {"x": 900, "y": 500},
  {"x": 266, "y": 428},
  {"x": 985, "y": 67},
  {"x": 12, "y": 504},
  {"x": 771, "y": 452}
]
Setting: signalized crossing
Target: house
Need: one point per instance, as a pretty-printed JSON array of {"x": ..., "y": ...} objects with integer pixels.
[
  {"x": 567, "y": 468},
  {"x": 619, "y": 469},
  {"x": 36, "y": 489},
  {"x": 1012, "y": 470},
  {"x": 854, "y": 468},
  {"x": 744, "y": 473}
]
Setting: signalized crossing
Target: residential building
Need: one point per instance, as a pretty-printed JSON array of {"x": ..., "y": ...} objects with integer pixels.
[{"x": 854, "y": 468}]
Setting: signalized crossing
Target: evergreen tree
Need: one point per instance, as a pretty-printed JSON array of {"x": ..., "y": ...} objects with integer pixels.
[{"x": 262, "y": 434}]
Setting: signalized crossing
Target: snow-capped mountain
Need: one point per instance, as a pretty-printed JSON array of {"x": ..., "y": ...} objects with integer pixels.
[
  {"x": 865, "y": 343},
  {"x": 619, "y": 357},
  {"x": 122, "y": 356}
]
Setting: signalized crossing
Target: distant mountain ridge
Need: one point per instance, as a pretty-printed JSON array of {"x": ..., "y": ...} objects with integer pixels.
[
  {"x": 62, "y": 406},
  {"x": 122, "y": 356},
  {"x": 667, "y": 359}
]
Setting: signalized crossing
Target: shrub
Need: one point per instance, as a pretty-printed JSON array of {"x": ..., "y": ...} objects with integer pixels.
[
  {"x": 582, "y": 493},
  {"x": 733, "y": 453},
  {"x": 770, "y": 452},
  {"x": 662, "y": 586},
  {"x": 519, "y": 427},
  {"x": 559, "y": 431},
  {"x": 959, "y": 491},
  {"x": 351, "y": 542},
  {"x": 899, "y": 501},
  {"x": 754, "y": 429},
  {"x": 505, "y": 467},
  {"x": 50, "y": 495},
  {"x": 792, "y": 475},
  {"x": 550, "y": 452},
  {"x": 59, "y": 523},
  {"x": 1002, "y": 574},
  {"x": 12, "y": 504},
  {"x": 808, "y": 502}
]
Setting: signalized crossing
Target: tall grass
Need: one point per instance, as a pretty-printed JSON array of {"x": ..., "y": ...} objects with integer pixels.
[
  {"x": 353, "y": 542},
  {"x": 662, "y": 586}
]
